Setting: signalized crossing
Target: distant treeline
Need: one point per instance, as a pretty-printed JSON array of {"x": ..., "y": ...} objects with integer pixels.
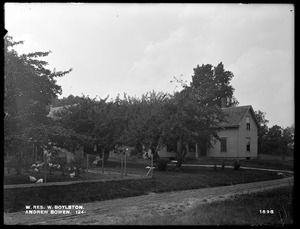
[{"x": 71, "y": 99}]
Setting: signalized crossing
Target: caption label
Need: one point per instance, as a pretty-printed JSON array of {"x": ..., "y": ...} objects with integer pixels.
[{"x": 54, "y": 209}]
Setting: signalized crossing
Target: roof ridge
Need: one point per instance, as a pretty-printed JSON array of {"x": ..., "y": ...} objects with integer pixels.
[{"x": 234, "y": 115}]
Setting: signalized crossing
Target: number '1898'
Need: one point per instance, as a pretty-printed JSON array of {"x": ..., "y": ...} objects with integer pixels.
[{"x": 266, "y": 211}]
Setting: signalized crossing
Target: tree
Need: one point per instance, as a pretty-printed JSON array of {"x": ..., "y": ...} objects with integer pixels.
[
  {"x": 211, "y": 84},
  {"x": 189, "y": 122},
  {"x": 280, "y": 141},
  {"x": 288, "y": 141},
  {"x": 273, "y": 140},
  {"x": 147, "y": 116},
  {"x": 28, "y": 88},
  {"x": 70, "y": 100},
  {"x": 160, "y": 119},
  {"x": 189, "y": 116},
  {"x": 262, "y": 131},
  {"x": 98, "y": 120},
  {"x": 195, "y": 112}
]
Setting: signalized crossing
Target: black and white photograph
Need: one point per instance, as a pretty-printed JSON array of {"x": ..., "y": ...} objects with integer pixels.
[{"x": 149, "y": 114}]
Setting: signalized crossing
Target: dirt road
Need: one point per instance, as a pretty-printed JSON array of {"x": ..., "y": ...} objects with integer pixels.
[{"x": 120, "y": 211}]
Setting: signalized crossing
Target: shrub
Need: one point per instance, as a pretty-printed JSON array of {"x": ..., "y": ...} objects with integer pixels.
[
  {"x": 223, "y": 164},
  {"x": 15, "y": 163},
  {"x": 162, "y": 164},
  {"x": 78, "y": 164},
  {"x": 236, "y": 165}
]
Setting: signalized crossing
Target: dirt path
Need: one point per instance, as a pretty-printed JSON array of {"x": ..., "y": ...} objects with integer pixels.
[{"x": 120, "y": 211}]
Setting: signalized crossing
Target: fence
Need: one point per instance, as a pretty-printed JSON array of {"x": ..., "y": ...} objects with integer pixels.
[{"x": 121, "y": 166}]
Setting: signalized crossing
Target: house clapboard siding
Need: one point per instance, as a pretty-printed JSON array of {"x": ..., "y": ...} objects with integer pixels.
[{"x": 237, "y": 134}]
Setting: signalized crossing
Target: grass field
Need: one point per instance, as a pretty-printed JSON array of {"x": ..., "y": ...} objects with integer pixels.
[
  {"x": 137, "y": 167},
  {"x": 255, "y": 163},
  {"x": 189, "y": 178},
  {"x": 245, "y": 209}
]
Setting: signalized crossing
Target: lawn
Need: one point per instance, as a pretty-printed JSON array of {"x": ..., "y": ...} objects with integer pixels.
[
  {"x": 255, "y": 163},
  {"x": 112, "y": 169},
  {"x": 57, "y": 177},
  {"x": 189, "y": 178},
  {"x": 247, "y": 209}
]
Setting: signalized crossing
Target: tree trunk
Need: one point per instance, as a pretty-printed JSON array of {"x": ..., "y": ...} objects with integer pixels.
[
  {"x": 180, "y": 154},
  {"x": 62, "y": 170},
  {"x": 106, "y": 155},
  {"x": 18, "y": 166}
]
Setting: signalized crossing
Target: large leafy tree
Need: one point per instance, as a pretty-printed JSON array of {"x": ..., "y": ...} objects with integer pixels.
[
  {"x": 288, "y": 138},
  {"x": 263, "y": 129},
  {"x": 144, "y": 117},
  {"x": 28, "y": 88},
  {"x": 189, "y": 116},
  {"x": 147, "y": 117},
  {"x": 160, "y": 119},
  {"x": 189, "y": 122},
  {"x": 279, "y": 141},
  {"x": 211, "y": 84},
  {"x": 195, "y": 112},
  {"x": 101, "y": 121},
  {"x": 28, "y": 85}
]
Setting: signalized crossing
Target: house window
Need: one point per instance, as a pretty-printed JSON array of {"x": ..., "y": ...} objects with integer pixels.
[
  {"x": 223, "y": 142},
  {"x": 248, "y": 123},
  {"x": 248, "y": 144},
  {"x": 192, "y": 147}
]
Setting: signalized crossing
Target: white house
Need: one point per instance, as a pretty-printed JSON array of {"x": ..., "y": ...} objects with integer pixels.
[{"x": 238, "y": 137}]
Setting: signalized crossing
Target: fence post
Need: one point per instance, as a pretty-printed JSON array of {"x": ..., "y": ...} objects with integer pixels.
[{"x": 45, "y": 167}]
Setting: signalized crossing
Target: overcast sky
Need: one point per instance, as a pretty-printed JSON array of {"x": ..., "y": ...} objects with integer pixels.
[{"x": 136, "y": 48}]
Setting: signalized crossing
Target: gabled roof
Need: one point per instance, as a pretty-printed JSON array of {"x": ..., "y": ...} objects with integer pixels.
[{"x": 235, "y": 115}]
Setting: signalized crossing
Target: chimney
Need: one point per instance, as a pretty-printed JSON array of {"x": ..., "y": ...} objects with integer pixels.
[{"x": 223, "y": 102}]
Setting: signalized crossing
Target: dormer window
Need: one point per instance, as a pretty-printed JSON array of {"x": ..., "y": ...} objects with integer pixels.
[{"x": 247, "y": 123}]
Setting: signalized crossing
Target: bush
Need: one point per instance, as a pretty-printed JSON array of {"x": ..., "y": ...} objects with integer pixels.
[
  {"x": 15, "y": 163},
  {"x": 223, "y": 164},
  {"x": 162, "y": 165},
  {"x": 236, "y": 165},
  {"x": 78, "y": 164}
]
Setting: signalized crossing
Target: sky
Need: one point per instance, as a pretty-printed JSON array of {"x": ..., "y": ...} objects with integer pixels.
[{"x": 134, "y": 48}]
